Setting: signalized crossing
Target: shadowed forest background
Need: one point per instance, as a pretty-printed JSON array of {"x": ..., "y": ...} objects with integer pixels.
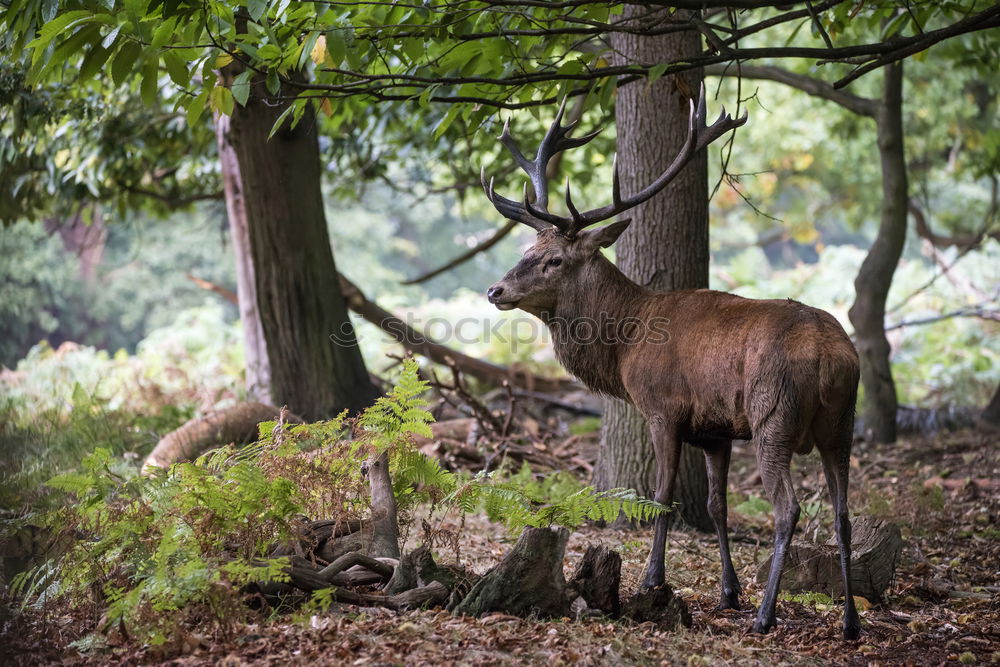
[{"x": 213, "y": 211}]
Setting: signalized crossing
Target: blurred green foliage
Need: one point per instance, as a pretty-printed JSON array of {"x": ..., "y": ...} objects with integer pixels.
[{"x": 138, "y": 284}]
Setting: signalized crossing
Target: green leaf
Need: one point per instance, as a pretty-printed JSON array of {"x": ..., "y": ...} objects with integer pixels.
[
  {"x": 656, "y": 71},
  {"x": 280, "y": 122},
  {"x": 414, "y": 49},
  {"x": 163, "y": 32},
  {"x": 110, "y": 38},
  {"x": 58, "y": 26},
  {"x": 49, "y": 10},
  {"x": 446, "y": 122},
  {"x": 241, "y": 87},
  {"x": 177, "y": 68},
  {"x": 307, "y": 47},
  {"x": 897, "y": 23},
  {"x": 71, "y": 47},
  {"x": 269, "y": 52},
  {"x": 93, "y": 61},
  {"x": 125, "y": 61},
  {"x": 222, "y": 100},
  {"x": 273, "y": 82},
  {"x": 150, "y": 82},
  {"x": 336, "y": 47},
  {"x": 195, "y": 108},
  {"x": 256, "y": 8}
]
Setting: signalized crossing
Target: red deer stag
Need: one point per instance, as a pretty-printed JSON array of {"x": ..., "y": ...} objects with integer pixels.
[{"x": 778, "y": 372}]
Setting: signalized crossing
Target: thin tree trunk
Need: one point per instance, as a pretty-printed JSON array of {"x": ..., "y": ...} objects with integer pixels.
[
  {"x": 875, "y": 276},
  {"x": 316, "y": 366},
  {"x": 258, "y": 368},
  {"x": 666, "y": 247}
]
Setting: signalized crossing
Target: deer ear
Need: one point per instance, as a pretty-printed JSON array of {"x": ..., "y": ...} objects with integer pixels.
[{"x": 605, "y": 237}]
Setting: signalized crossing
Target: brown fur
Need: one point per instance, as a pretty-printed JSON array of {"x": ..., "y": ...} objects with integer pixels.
[{"x": 775, "y": 371}]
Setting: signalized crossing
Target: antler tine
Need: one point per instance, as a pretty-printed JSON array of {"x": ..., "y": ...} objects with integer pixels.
[
  {"x": 616, "y": 183},
  {"x": 509, "y": 208},
  {"x": 699, "y": 136},
  {"x": 724, "y": 123},
  {"x": 508, "y": 141},
  {"x": 569, "y": 205},
  {"x": 556, "y": 221}
]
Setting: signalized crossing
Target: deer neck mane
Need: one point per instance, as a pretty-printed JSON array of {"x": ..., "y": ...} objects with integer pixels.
[{"x": 585, "y": 320}]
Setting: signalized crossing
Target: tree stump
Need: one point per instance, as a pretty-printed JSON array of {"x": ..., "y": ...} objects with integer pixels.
[
  {"x": 385, "y": 531},
  {"x": 527, "y": 582},
  {"x": 658, "y": 605},
  {"x": 875, "y": 549},
  {"x": 597, "y": 578}
]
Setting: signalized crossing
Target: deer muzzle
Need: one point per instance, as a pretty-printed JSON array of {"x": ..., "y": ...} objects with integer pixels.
[{"x": 499, "y": 298}]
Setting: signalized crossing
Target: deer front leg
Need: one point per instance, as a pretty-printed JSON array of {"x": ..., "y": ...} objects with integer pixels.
[{"x": 666, "y": 447}]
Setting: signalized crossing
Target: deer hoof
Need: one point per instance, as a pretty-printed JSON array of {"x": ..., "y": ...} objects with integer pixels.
[
  {"x": 852, "y": 632},
  {"x": 652, "y": 580},
  {"x": 729, "y": 602},
  {"x": 762, "y": 627}
]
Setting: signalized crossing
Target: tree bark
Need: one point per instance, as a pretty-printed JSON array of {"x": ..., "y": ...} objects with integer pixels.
[
  {"x": 258, "y": 368},
  {"x": 529, "y": 580},
  {"x": 875, "y": 276},
  {"x": 990, "y": 416},
  {"x": 237, "y": 424},
  {"x": 875, "y": 549},
  {"x": 665, "y": 248},
  {"x": 597, "y": 579},
  {"x": 385, "y": 529},
  {"x": 316, "y": 366}
]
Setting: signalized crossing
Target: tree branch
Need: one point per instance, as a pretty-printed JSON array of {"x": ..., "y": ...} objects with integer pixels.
[
  {"x": 988, "y": 18},
  {"x": 807, "y": 84},
  {"x": 964, "y": 243},
  {"x": 467, "y": 255},
  {"x": 980, "y": 311},
  {"x": 174, "y": 201}
]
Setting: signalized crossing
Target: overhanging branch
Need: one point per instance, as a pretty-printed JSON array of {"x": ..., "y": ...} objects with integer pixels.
[{"x": 807, "y": 84}]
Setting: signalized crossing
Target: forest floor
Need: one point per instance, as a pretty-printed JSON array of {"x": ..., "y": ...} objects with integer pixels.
[{"x": 943, "y": 607}]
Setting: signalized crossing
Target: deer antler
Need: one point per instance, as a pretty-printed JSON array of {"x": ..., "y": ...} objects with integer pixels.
[{"x": 557, "y": 139}]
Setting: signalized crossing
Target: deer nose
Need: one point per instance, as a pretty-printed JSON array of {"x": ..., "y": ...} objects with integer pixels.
[{"x": 494, "y": 293}]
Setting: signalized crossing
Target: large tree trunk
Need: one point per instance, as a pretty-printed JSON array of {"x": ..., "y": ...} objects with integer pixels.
[
  {"x": 990, "y": 416},
  {"x": 875, "y": 276},
  {"x": 316, "y": 367},
  {"x": 665, "y": 248},
  {"x": 258, "y": 368}
]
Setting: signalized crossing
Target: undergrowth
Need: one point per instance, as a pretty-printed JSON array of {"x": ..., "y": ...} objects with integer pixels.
[{"x": 175, "y": 549}]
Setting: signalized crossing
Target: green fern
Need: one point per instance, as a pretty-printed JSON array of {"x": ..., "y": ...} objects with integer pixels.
[
  {"x": 401, "y": 412},
  {"x": 519, "y": 503}
]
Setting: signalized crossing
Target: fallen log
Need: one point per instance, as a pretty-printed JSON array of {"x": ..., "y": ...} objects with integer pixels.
[
  {"x": 875, "y": 549},
  {"x": 236, "y": 424}
]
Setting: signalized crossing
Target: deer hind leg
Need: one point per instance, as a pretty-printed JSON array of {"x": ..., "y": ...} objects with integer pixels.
[
  {"x": 836, "y": 467},
  {"x": 717, "y": 457},
  {"x": 666, "y": 447},
  {"x": 773, "y": 458}
]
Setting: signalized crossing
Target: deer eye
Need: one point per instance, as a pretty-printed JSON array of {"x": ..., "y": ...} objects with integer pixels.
[{"x": 555, "y": 261}]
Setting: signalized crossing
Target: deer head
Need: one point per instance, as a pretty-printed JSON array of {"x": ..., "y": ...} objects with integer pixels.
[{"x": 564, "y": 246}]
